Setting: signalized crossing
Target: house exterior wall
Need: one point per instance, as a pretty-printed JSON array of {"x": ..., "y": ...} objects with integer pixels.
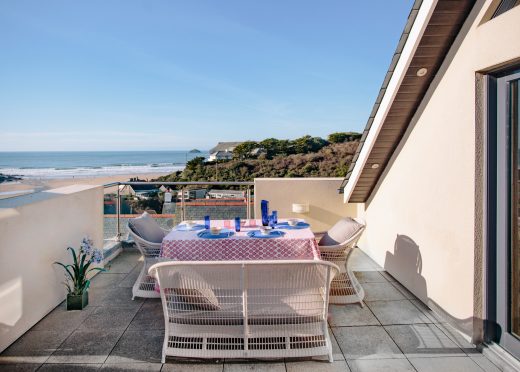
[
  {"x": 35, "y": 231},
  {"x": 325, "y": 203},
  {"x": 421, "y": 216}
]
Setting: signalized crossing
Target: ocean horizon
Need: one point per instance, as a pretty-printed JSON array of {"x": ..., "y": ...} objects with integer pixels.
[{"x": 83, "y": 164}]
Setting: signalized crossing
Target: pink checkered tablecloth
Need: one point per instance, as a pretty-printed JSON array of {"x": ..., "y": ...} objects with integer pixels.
[{"x": 187, "y": 246}]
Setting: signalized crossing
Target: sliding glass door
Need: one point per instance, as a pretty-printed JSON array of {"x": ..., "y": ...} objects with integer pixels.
[{"x": 507, "y": 248}]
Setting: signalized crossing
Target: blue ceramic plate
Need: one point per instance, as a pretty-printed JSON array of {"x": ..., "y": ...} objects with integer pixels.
[
  {"x": 299, "y": 225},
  {"x": 224, "y": 233},
  {"x": 259, "y": 235},
  {"x": 183, "y": 227}
]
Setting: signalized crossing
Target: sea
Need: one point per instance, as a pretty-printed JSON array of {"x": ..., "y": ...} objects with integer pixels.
[{"x": 86, "y": 164}]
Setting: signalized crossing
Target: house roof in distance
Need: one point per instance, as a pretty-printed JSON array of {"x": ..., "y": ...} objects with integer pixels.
[
  {"x": 223, "y": 146},
  {"x": 150, "y": 187},
  {"x": 427, "y": 37}
]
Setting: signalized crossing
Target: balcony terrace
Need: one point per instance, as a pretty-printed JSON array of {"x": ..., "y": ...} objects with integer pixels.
[{"x": 393, "y": 332}]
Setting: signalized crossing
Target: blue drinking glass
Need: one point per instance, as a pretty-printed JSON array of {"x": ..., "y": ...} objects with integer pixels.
[
  {"x": 264, "y": 207},
  {"x": 237, "y": 224},
  {"x": 271, "y": 221},
  {"x": 206, "y": 222},
  {"x": 275, "y": 217}
]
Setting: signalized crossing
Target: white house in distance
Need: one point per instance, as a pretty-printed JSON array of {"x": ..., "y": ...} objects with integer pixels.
[
  {"x": 226, "y": 194},
  {"x": 223, "y": 151}
]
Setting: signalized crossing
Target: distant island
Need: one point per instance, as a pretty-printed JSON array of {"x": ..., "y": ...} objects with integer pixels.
[
  {"x": 306, "y": 156},
  {"x": 195, "y": 151}
]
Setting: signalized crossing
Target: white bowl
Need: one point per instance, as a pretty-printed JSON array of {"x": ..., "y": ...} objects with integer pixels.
[
  {"x": 292, "y": 221},
  {"x": 264, "y": 231},
  {"x": 190, "y": 224},
  {"x": 215, "y": 230}
]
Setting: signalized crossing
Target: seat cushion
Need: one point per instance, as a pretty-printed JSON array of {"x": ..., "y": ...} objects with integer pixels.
[
  {"x": 342, "y": 231},
  {"x": 147, "y": 228},
  {"x": 200, "y": 298}
]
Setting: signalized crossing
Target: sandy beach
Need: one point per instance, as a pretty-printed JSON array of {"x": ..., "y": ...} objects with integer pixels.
[{"x": 28, "y": 185}]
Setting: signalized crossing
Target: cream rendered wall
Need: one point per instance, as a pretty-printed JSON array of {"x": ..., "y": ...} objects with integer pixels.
[
  {"x": 420, "y": 220},
  {"x": 325, "y": 203},
  {"x": 35, "y": 231}
]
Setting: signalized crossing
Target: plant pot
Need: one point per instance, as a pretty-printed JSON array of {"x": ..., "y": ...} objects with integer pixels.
[{"x": 77, "y": 302}]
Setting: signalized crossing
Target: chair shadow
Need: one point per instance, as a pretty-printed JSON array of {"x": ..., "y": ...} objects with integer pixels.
[{"x": 406, "y": 265}]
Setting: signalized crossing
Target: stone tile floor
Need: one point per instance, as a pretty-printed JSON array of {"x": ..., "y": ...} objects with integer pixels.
[{"x": 393, "y": 332}]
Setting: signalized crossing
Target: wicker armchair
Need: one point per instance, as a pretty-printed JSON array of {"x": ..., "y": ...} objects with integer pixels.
[
  {"x": 245, "y": 309},
  {"x": 145, "y": 284},
  {"x": 345, "y": 288}
]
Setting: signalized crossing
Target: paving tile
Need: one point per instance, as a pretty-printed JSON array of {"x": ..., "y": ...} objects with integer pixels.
[
  {"x": 484, "y": 363},
  {"x": 124, "y": 263},
  {"x": 351, "y": 315},
  {"x": 381, "y": 292},
  {"x": 22, "y": 367},
  {"x": 367, "y": 342},
  {"x": 138, "y": 346},
  {"x": 191, "y": 367},
  {"x": 256, "y": 367},
  {"x": 423, "y": 340},
  {"x": 406, "y": 293},
  {"x": 61, "y": 320},
  {"x": 451, "y": 364},
  {"x": 131, "y": 367},
  {"x": 336, "y": 351},
  {"x": 149, "y": 316},
  {"x": 34, "y": 347},
  {"x": 434, "y": 318},
  {"x": 313, "y": 366},
  {"x": 388, "y": 276},
  {"x": 359, "y": 261},
  {"x": 369, "y": 276},
  {"x": 397, "y": 312},
  {"x": 91, "y": 346},
  {"x": 96, "y": 296},
  {"x": 106, "y": 280},
  {"x": 120, "y": 297},
  {"x": 458, "y": 339},
  {"x": 109, "y": 318},
  {"x": 131, "y": 277},
  {"x": 380, "y": 365},
  {"x": 70, "y": 367}
]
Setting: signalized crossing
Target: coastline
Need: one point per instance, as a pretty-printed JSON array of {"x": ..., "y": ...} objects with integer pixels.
[{"x": 29, "y": 185}]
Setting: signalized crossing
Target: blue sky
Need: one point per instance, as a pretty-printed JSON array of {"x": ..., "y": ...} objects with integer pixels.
[{"x": 173, "y": 75}]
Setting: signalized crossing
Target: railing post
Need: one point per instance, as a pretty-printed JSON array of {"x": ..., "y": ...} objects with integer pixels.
[
  {"x": 118, "y": 212},
  {"x": 183, "y": 212},
  {"x": 248, "y": 202}
]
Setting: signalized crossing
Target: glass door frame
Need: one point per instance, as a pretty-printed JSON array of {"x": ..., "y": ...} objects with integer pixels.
[{"x": 500, "y": 213}]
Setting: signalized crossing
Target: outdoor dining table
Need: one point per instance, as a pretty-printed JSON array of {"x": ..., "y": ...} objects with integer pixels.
[{"x": 296, "y": 244}]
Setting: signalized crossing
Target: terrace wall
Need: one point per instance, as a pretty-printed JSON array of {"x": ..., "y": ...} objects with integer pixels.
[
  {"x": 35, "y": 231},
  {"x": 325, "y": 203}
]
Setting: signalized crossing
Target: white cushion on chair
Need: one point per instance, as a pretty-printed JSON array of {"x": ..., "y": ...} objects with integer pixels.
[
  {"x": 147, "y": 228},
  {"x": 342, "y": 231}
]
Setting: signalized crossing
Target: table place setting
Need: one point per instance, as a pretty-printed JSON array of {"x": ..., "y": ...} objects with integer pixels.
[{"x": 189, "y": 226}]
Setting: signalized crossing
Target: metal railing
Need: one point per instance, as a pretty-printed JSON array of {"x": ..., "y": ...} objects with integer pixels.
[{"x": 183, "y": 188}]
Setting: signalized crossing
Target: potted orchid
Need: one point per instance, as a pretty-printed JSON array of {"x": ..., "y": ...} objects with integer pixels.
[{"x": 77, "y": 278}]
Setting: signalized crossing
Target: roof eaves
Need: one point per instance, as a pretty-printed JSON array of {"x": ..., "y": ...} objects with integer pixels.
[{"x": 412, "y": 17}]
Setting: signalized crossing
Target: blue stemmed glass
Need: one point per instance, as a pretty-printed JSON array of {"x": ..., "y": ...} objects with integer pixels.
[
  {"x": 206, "y": 222},
  {"x": 275, "y": 217},
  {"x": 237, "y": 224}
]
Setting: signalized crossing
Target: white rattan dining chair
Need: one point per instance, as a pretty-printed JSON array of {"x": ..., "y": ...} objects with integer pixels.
[
  {"x": 245, "y": 309},
  {"x": 345, "y": 287},
  {"x": 144, "y": 286}
]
